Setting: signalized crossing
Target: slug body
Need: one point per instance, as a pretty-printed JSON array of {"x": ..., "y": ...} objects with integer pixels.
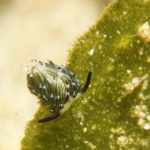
[{"x": 53, "y": 85}]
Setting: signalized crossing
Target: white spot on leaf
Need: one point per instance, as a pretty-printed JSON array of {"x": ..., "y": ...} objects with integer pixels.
[
  {"x": 91, "y": 51},
  {"x": 135, "y": 82},
  {"x": 90, "y": 144},
  {"x": 118, "y": 32},
  {"x": 128, "y": 71},
  {"x": 143, "y": 117},
  {"x": 84, "y": 130},
  {"x": 147, "y": 126},
  {"x": 105, "y": 35},
  {"x": 124, "y": 13},
  {"x": 122, "y": 141},
  {"x": 144, "y": 32}
]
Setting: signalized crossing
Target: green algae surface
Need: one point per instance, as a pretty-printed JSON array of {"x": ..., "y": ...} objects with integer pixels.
[{"x": 114, "y": 113}]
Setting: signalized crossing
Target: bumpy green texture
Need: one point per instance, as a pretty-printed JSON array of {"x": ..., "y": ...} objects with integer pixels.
[{"x": 114, "y": 113}]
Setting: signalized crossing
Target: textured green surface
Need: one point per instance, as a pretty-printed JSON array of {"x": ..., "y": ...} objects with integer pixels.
[{"x": 114, "y": 113}]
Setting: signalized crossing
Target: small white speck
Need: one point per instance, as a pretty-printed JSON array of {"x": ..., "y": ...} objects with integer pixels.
[
  {"x": 90, "y": 144},
  {"x": 85, "y": 142},
  {"x": 140, "y": 68},
  {"x": 91, "y": 51},
  {"x": 81, "y": 123},
  {"x": 140, "y": 51},
  {"x": 122, "y": 141},
  {"x": 93, "y": 92},
  {"x": 144, "y": 32},
  {"x": 138, "y": 41},
  {"x": 147, "y": 126},
  {"x": 125, "y": 12},
  {"x": 128, "y": 71},
  {"x": 84, "y": 129},
  {"x": 105, "y": 35},
  {"x": 118, "y": 32},
  {"x": 112, "y": 60}
]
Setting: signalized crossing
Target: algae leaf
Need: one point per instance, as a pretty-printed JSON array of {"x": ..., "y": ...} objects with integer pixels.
[{"x": 114, "y": 113}]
